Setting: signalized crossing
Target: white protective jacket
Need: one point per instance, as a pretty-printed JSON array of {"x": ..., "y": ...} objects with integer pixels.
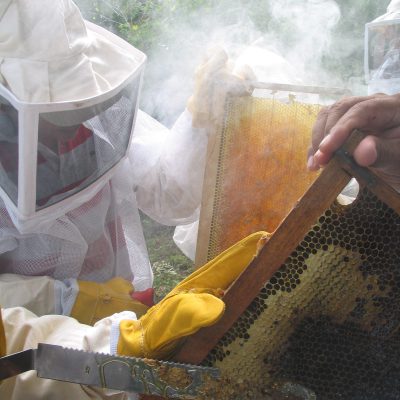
[{"x": 103, "y": 238}]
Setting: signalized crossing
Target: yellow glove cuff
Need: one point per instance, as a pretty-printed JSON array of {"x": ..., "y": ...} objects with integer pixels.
[
  {"x": 96, "y": 301},
  {"x": 155, "y": 335},
  {"x": 221, "y": 272}
]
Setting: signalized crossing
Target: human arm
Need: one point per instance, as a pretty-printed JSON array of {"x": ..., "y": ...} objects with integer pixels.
[
  {"x": 193, "y": 304},
  {"x": 168, "y": 164},
  {"x": 168, "y": 167},
  {"x": 378, "y": 116}
]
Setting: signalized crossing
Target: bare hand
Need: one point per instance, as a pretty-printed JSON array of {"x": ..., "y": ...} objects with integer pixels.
[{"x": 378, "y": 116}]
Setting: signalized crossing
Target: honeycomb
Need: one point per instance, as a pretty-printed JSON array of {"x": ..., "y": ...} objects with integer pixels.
[
  {"x": 263, "y": 147},
  {"x": 328, "y": 320}
]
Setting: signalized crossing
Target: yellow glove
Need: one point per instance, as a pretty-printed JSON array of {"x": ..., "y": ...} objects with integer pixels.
[
  {"x": 96, "y": 301},
  {"x": 213, "y": 81},
  {"x": 191, "y": 305}
]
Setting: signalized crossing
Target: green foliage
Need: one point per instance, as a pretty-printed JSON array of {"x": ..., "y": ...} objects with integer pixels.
[
  {"x": 159, "y": 27},
  {"x": 124, "y": 17},
  {"x": 147, "y": 24}
]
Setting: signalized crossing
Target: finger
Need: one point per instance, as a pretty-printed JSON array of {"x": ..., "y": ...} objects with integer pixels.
[
  {"x": 342, "y": 106},
  {"x": 327, "y": 117},
  {"x": 374, "y": 114},
  {"x": 337, "y": 110},
  {"x": 318, "y": 131},
  {"x": 383, "y": 156},
  {"x": 319, "y": 160},
  {"x": 379, "y": 153},
  {"x": 366, "y": 153},
  {"x": 391, "y": 133}
]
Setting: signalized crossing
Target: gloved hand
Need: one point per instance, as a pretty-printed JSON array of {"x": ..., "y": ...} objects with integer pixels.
[
  {"x": 214, "y": 80},
  {"x": 192, "y": 304},
  {"x": 96, "y": 301}
]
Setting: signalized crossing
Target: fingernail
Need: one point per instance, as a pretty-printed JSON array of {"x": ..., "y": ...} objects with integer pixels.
[
  {"x": 310, "y": 163},
  {"x": 319, "y": 159}
]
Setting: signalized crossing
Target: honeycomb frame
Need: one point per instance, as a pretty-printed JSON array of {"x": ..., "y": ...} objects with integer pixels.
[
  {"x": 258, "y": 145},
  {"x": 343, "y": 263}
]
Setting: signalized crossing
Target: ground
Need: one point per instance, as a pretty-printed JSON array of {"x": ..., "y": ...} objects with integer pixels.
[{"x": 170, "y": 265}]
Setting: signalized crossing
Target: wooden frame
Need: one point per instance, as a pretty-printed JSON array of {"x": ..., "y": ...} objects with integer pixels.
[
  {"x": 291, "y": 231},
  {"x": 292, "y": 181},
  {"x": 285, "y": 239}
]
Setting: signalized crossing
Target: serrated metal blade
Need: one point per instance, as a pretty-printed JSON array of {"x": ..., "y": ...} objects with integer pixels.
[
  {"x": 16, "y": 363},
  {"x": 140, "y": 375}
]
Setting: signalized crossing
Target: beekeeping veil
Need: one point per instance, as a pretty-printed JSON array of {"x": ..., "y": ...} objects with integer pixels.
[
  {"x": 382, "y": 51},
  {"x": 68, "y": 100}
]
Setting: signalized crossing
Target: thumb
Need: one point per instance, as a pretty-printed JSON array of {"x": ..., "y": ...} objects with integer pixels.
[{"x": 381, "y": 154}]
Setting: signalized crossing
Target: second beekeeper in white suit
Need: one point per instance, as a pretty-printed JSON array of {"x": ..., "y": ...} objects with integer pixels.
[{"x": 78, "y": 160}]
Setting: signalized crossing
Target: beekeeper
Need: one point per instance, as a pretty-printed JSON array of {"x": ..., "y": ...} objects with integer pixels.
[
  {"x": 72, "y": 176},
  {"x": 377, "y": 114},
  {"x": 382, "y": 51},
  {"x": 78, "y": 159}
]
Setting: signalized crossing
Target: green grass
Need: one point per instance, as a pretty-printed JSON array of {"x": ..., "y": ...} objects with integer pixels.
[{"x": 169, "y": 264}]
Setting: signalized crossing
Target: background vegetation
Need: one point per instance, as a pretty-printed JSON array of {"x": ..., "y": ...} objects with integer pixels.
[{"x": 174, "y": 35}]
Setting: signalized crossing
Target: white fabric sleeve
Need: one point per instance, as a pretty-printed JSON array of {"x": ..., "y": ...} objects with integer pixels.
[
  {"x": 185, "y": 237},
  {"x": 168, "y": 168},
  {"x": 41, "y": 295},
  {"x": 24, "y": 330}
]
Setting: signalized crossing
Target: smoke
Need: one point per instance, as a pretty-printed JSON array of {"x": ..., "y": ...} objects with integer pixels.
[
  {"x": 311, "y": 24},
  {"x": 169, "y": 76},
  {"x": 316, "y": 42}
]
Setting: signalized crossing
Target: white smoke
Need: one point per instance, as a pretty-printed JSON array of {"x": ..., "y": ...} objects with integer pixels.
[
  {"x": 303, "y": 32},
  {"x": 311, "y": 23}
]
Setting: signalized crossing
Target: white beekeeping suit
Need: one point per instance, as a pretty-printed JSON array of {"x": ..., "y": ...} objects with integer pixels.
[
  {"x": 77, "y": 158},
  {"x": 382, "y": 51}
]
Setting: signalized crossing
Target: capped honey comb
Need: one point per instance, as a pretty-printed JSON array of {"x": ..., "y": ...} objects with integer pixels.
[
  {"x": 316, "y": 315},
  {"x": 329, "y": 318}
]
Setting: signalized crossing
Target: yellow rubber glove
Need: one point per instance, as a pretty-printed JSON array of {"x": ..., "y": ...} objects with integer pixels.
[
  {"x": 192, "y": 304},
  {"x": 96, "y": 301},
  {"x": 214, "y": 80}
]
